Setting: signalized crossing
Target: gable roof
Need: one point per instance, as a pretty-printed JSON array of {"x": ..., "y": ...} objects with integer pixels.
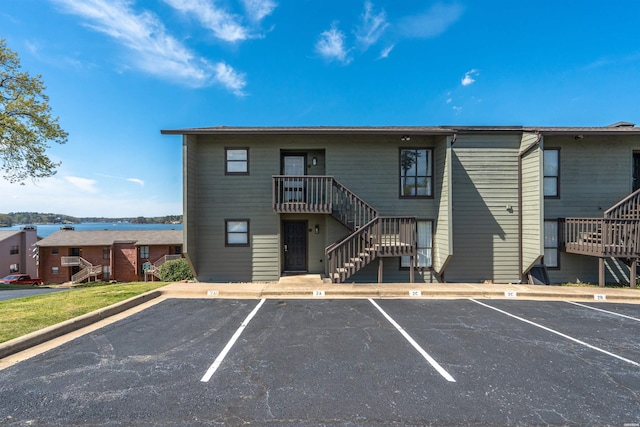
[
  {"x": 5, "y": 234},
  {"x": 109, "y": 237}
]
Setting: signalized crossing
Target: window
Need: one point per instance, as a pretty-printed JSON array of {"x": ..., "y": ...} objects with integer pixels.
[
  {"x": 416, "y": 172},
  {"x": 106, "y": 253},
  {"x": 552, "y": 172},
  {"x": 237, "y": 232},
  {"x": 55, "y": 270},
  {"x": 177, "y": 250},
  {"x": 237, "y": 161},
  {"x": 14, "y": 268},
  {"x": 13, "y": 250},
  {"x": 425, "y": 243},
  {"x": 144, "y": 251},
  {"x": 106, "y": 272},
  {"x": 551, "y": 248},
  {"x": 54, "y": 251}
]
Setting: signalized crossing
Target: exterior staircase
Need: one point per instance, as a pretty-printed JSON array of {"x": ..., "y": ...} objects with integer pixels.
[
  {"x": 371, "y": 235},
  {"x": 616, "y": 235},
  {"x": 87, "y": 270}
]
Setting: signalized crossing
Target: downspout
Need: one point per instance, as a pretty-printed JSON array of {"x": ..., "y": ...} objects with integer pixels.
[{"x": 520, "y": 217}]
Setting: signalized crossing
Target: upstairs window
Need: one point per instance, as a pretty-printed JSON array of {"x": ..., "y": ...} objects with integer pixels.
[
  {"x": 416, "y": 172},
  {"x": 552, "y": 172},
  {"x": 13, "y": 250},
  {"x": 237, "y": 161}
]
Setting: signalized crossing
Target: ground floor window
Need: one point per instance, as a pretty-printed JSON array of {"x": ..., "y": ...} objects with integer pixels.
[
  {"x": 425, "y": 244},
  {"x": 551, "y": 248},
  {"x": 55, "y": 270},
  {"x": 14, "y": 268},
  {"x": 237, "y": 232},
  {"x": 144, "y": 251},
  {"x": 106, "y": 272}
]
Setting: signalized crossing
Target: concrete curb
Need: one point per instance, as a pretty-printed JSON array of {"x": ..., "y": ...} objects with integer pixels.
[{"x": 38, "y": 337}]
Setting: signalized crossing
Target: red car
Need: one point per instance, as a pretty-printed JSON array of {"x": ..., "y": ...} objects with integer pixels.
[{"x": 20, "y": 279}]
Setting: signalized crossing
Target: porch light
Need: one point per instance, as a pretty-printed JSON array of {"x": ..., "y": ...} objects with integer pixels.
[
  {"x": 317, "y": 229},
  {"x": 405, "y": 138},
  {"x": 314, "y": 161}
]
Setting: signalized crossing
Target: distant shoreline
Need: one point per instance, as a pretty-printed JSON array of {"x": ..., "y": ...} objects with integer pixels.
[{"x": 44, "y": 230}]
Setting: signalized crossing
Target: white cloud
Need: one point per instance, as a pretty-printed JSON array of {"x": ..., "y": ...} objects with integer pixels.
[
  {"x": 258, "y": 9},
  {"x": 224, "y": 25},
  {"x": 155, "y": 51},
  {"x": 230, "y": 78},
  {"x": 83, "y": 184},
  {"x": 468, "y": 78},
  {"x": 386, "y": 51},
  {"x": 136, "y": 181},
  {"x": 371, "y": 27},
  {"x": 81, "y": 197},
  {"x": 330, "y": 45},
  {"x": 431, "y": 23}
]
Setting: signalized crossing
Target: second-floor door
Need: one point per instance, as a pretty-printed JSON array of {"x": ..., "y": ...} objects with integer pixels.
[{"x": 294, "y": 165}]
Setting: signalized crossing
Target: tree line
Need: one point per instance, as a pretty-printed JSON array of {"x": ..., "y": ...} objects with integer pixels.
[{"x": 11, "y": 218}]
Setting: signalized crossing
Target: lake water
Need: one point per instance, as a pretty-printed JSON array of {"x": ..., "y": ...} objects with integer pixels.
[{"x": 45, "y": 230}]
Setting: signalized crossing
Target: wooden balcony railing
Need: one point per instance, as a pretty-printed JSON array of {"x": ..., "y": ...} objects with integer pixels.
[
  {"x": 602, "y": 237},
  {"x": 320, "y": 194},
  {"x": 627, "y": 208},
  {"x": 302, "y": 194}
]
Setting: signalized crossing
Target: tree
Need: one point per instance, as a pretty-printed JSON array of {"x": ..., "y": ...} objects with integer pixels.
[{"x": 26, "y": 124}]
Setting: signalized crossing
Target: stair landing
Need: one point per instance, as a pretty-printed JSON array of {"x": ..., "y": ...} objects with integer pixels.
[{"x": 303, "y": 279}]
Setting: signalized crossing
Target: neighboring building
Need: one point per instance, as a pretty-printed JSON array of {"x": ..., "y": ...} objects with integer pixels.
[
  {"x": 17, "y": 251},
  {"x": 395, "y": 204},
  {"x": 76, "y": 256}
]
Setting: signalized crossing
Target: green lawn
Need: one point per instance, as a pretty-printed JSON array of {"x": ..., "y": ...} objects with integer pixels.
[{"x": 24, "y": 315}]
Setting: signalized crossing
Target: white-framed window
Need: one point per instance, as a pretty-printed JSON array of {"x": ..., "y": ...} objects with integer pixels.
[
  {"x": 236, "y": 161},
  {"x": 14, "y": 268},
  {"x": 425, "y": 244},
  {"x": 236, "y": 232},
  {"x": 55, "y": 270},
  {"x": 551, "y": 246},
  {"x": 551, "y": 172}
]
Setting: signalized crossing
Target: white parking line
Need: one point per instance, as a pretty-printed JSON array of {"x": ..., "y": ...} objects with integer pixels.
[
  {"x": 558, "y": 333},
  {"x": 216, "y": 363},
  {"x": 415, "y": 345},
  {"x": 604, "y": 311}
]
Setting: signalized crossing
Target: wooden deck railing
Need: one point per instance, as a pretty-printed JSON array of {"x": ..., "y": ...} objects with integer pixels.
[
  {"x": 602, "y": 237},
  {"x": 320, "y": 194}
]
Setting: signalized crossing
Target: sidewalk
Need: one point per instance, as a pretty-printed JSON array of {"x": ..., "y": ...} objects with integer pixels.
[{"x": 310, "y": 288}]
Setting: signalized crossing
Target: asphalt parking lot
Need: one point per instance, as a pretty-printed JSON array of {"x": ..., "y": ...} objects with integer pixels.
[{"x": 340, "y": 362}]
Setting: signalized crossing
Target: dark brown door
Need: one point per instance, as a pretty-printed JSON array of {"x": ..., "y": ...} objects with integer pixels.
[{"x": 295, "y": 245}]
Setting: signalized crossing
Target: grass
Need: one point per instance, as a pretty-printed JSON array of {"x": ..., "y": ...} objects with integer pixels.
[{"x": 21, "y": 316}]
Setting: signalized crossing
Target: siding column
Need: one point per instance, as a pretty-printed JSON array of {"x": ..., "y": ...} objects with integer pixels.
[
  {"x": 380, "y": 269},
  {"x": 632, "y": 275}
]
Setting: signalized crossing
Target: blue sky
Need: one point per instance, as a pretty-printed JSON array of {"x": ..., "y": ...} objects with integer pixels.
[{"x": 119, "y": 71}]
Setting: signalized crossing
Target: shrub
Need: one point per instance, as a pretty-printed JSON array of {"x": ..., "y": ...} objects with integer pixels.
[{"x": 175, "y": 270}]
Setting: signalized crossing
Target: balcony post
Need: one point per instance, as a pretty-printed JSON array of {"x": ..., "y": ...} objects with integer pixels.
[{"x": 601, "y": 271}]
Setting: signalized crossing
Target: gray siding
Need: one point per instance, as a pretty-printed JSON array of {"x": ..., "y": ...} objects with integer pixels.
[
  {"x": 443, "y": 230},
  {"x": 485, "y": 217},
  {"x": 595, "y": 173},
  {"x": 189, "y": 194},
  {"x": 532, "y": 202}
]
